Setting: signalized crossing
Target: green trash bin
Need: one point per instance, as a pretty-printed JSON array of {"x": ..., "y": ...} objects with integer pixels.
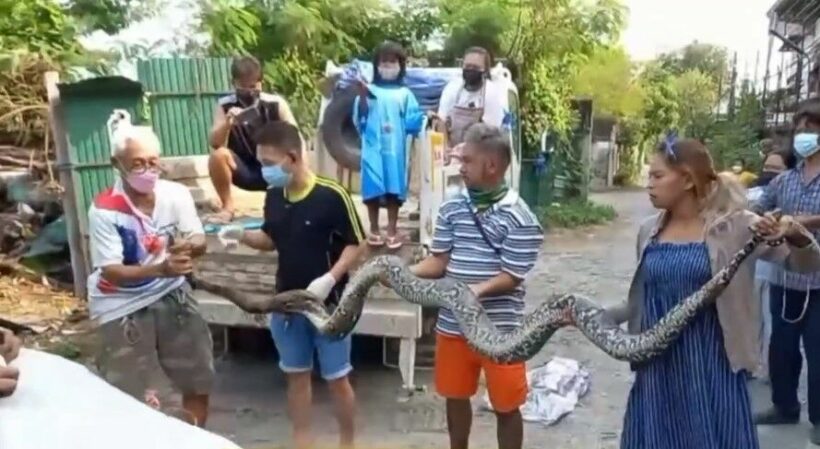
[{"x": 536, "y": 184}]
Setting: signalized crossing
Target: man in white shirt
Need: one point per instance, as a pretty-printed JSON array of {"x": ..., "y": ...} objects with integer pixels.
[
  {"x": 473, "y": 98},
  {"x": 144, "y": 235}
]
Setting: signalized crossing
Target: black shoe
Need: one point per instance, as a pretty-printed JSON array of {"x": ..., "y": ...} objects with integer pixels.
[
  {"x": 774, "y": 417},
  {"x": 814, "y": 436}
]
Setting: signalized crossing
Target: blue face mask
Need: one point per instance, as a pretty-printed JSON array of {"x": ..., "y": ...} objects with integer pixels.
[
  {"x": 806, "y": 144},
  {"x": 275, "y": 176}
]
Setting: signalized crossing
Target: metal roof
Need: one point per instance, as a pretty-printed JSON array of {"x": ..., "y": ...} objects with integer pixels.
[{"x": 805, "y": 12}]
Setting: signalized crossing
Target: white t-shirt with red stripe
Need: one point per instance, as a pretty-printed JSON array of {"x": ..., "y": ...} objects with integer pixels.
[{"x": 121, "y": 234}]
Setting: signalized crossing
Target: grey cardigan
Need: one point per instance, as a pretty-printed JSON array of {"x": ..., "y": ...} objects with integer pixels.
[{"x": 738, "y": 311}]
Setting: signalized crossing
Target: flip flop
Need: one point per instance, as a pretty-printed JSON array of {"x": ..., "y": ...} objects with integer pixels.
[
  {"x": 394, "y": 242},
  {"x": 222, "y": 217},
  {"x": 375, "y": 240}
]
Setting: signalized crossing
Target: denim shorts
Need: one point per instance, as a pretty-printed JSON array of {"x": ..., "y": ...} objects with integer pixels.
[{"x": 296, "y": 340}]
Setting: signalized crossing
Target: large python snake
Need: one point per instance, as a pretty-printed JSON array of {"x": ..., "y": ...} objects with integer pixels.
[{"x": 518, "y": 345}]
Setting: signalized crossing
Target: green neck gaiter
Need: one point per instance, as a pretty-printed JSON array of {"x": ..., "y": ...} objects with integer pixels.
[{"x": 483, "y": 199}]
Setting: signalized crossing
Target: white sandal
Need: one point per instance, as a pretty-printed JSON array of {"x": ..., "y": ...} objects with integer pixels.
[
  {"x": 375, "y": 240},
  {"x": 394, "y": 242}
]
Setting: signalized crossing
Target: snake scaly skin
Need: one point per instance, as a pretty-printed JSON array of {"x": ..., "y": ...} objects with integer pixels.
[{"x": 518, "y": 345}]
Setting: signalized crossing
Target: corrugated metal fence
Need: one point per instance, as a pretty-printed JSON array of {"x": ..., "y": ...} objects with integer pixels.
[{"x": 182, "y": 95}]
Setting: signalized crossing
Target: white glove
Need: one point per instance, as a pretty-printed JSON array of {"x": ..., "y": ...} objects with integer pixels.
[
  {"x": 322, "y": 286},
  {"x": 230, "y": 235}
]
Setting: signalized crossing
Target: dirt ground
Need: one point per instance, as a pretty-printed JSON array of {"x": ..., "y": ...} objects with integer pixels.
[{"x": 249, "y": 405}]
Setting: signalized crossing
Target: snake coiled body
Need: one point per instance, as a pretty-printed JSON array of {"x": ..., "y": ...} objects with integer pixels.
[{"x": 518, "y": 345}]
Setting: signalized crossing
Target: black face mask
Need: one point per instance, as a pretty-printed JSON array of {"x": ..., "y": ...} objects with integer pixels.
[
  {"x": 472, "y": 78},
  {"x": 247, "y": 97},
  {"x": 766, "y": 177}
]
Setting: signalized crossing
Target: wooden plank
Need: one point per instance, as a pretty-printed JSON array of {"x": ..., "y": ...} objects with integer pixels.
[{"x": 79, "y": 261}]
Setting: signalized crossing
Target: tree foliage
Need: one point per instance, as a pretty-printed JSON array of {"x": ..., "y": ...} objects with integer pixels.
[
  {"x": 106, "y": 15},
  {"x": 556, "y": 37},
  {"x": 480, "y": 23},
  {"x": 609, "y": 77},
  {"x": 709, "y": 59},
  {"x": 698, "y": 96},
  {"x": 37, "y": 26},
  {"x": 738, "y": 137}
]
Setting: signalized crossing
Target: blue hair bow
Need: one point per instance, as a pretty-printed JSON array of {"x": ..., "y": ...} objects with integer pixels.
[{"x": 669, "y": 143}]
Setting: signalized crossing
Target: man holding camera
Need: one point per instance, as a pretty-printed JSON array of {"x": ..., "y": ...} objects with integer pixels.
[{"x": 237, "y": 117}]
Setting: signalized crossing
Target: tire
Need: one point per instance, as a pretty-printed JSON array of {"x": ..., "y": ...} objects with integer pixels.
[{"x": 339, "y": 134}]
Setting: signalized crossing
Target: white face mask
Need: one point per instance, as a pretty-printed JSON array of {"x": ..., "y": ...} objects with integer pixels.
[{"x": 389, "y": 72}]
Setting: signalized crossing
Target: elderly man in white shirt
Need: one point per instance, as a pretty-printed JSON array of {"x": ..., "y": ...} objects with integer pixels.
[
  {"x": 473, "y": 98},
  {"x": 144, "y": 235}
]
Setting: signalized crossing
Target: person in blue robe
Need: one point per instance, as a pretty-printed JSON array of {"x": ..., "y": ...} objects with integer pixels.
[{"x": 385, "y": 114}]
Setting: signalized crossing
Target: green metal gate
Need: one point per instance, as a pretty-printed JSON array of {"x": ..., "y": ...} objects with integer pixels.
[{"x": 182, "y": 95}]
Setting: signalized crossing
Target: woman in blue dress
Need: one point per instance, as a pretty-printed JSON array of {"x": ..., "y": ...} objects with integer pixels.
[
  {"x": 694, "y": 395},
  {"x": 387, "y": 116}
]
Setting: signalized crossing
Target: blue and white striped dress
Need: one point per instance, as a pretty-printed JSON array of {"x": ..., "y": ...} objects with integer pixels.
[{"x": 687, "y": 398}]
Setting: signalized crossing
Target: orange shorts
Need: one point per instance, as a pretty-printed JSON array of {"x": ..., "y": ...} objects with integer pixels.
[{"x": 457, "y": 369}]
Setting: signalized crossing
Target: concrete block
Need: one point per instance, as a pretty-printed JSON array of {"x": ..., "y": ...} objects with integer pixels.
[
  {"x": 201, "y": 189},
  {"x": 183, "y": 167}
]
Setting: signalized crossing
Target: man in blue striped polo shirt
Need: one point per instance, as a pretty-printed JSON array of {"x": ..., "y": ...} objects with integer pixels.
[
  {"x": 488, "y": 238},
  {"x": 794, "y": 299}
]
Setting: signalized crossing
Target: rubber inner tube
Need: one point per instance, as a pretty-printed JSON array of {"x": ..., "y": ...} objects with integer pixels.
[{"x": 339, "y": 134}]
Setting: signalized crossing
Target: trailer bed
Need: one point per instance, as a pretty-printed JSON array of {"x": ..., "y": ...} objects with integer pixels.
[{"x": 384, "y": 314}]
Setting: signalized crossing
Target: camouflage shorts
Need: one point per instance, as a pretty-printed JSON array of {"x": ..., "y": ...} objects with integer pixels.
[{"x": 169, "y": 335}]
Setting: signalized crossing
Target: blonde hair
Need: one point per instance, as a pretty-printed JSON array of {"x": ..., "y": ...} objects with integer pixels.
[{"x": 726, "y": 197}]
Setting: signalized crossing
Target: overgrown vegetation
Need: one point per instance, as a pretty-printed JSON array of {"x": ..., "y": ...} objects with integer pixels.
[
  {"x": 576, "y": 213},
  {"x": 37, "y": 36}
]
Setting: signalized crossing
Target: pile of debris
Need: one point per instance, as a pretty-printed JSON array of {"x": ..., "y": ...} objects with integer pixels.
[
  {"x": 29, "y": 303},
  {"x": 35, "y": 262}
]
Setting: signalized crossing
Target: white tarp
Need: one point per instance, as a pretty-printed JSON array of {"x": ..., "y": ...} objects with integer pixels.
[
  {"x": 555, "y": 389},
  {"x": 61, "y": 404}
]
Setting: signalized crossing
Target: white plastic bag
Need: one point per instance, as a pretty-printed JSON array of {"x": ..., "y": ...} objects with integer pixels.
[
  {"x": 61, "y": 404},
  {"x": 554, "y": 391}
]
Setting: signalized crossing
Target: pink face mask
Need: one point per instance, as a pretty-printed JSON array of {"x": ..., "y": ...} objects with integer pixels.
[{"x": 143, "y": 182}]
